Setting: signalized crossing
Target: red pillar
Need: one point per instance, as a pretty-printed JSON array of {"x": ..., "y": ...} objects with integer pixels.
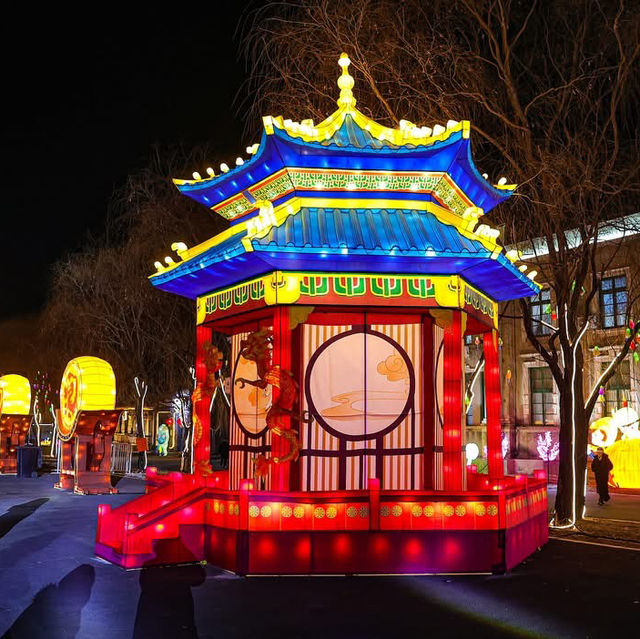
[
  {"x": 428, "y": 406},
  {"x": 493, "y": 403},
  {"x": 453, "y": 405},
  {"x": 280, "y": 473},
  {"x": 202, "y": 434}
]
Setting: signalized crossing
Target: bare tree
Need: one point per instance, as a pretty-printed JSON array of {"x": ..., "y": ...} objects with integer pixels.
[
  {"x": 550, "y": 89},
  {"x": 102, "y": 303}
]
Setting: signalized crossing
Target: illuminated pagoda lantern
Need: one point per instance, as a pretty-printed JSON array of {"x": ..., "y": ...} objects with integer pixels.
[{"x": 355, "y": 264}]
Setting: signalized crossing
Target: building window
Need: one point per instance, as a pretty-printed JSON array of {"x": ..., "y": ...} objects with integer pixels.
[
  {"x": 617, "y": 390},
  {"x": 613, "y": 301},
  {"x": 541, "y": 312},
  {"x": 543, "y": 408}
]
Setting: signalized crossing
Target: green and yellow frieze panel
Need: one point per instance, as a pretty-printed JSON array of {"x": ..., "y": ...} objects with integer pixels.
[
  {"x": 327, "y": 181},
  {"x": 348, "y": 289}
]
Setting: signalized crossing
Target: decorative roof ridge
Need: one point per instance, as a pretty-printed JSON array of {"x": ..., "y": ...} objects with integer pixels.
[
  {"x": 396, "y": 140},
  {"x": 407, "y": 134}
]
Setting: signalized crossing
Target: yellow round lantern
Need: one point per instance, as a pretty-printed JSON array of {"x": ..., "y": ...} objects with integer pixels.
[
  {"x": 15, "y": 395},
  {"x": 603, "y": 432},
  {"x": 625, "y": 457},
  {"x": 88, "y": 383}
]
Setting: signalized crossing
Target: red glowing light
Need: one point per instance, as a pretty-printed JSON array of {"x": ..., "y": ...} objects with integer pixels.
[
  {"x": 381, "y": 545},
  {"x": 342, "y": 545},
  {"x": 451, "y": 548},
  {"x": 413, "y": 548},
  {"x": 303, "y": 548},
  {"x": 266, "y": 547}
]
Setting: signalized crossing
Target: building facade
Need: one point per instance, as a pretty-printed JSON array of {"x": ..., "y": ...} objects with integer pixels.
[{"x": 530, "y": 398}]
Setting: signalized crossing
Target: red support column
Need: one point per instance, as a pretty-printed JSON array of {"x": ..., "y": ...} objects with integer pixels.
[
  {"x": 297, "y": 369},
  {"x": 280, "y": 473},
  {"x": 428, "y": 404},
  {"x": 453, "y": 405},
  {"x": 493, "y": 403},
  {"x": 202, "y": 423}
]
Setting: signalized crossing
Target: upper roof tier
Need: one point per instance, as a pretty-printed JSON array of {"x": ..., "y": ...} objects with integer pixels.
[{"x": 349, "y": 155}]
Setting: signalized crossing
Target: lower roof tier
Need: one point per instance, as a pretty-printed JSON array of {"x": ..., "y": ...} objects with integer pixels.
[{"x": 347, "y": 240}]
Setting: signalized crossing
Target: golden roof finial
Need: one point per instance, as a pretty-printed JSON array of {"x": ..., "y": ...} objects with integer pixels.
[{"x": 345, "y": 82}]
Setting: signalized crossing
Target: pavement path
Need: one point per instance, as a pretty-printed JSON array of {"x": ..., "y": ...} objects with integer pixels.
[
  {"x": 51, "y": 585},
  {"x": 621, "y": 506}
]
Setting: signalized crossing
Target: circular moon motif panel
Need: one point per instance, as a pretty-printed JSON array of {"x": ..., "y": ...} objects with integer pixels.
[
  {"x": 250, "y": 403},
  {"x": 360, "y": 384}
]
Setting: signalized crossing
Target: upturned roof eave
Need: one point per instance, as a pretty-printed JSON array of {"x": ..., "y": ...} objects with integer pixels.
[
  {"x": 192, "y": 280},
  {"x": 280, "y": 150}
]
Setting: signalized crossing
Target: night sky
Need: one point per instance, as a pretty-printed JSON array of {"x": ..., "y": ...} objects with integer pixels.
[{"x": 85, "y": 97}]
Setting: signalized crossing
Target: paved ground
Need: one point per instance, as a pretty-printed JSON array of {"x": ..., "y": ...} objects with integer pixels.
[
  {"x": 621, "y": 506},
  {"x": 52, "y": 586}
]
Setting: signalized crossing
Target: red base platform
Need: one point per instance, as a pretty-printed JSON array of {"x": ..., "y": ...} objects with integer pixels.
[{"x": 185, "y": 518}]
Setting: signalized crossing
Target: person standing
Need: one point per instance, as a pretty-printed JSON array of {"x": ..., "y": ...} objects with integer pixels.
[{"x": 601, "y": 467}]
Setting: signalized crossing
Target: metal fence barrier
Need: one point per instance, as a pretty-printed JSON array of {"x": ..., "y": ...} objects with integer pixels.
[{"x": 121, "y": 457}]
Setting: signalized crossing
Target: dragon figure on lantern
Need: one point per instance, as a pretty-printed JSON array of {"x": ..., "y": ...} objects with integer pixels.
[
  {"x": 213, "y": 361},
  {"x": 257, "y": 347}
]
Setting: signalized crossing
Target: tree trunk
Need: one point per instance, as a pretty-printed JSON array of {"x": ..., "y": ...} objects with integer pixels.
[
  {"x": 569, "y": 502},
  {"x": 582, "y": 442},
  {"x": 563, "y": 504}
]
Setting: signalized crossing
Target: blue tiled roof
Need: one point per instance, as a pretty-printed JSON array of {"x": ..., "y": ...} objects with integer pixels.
[
  {"x": 351, "y": 241},
  {"x": 351, "y": 135},
  {"x": 378, "y": 231}
]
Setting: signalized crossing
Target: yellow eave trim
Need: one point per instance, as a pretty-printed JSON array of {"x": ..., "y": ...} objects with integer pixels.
[{"x": 328, "y": 127}]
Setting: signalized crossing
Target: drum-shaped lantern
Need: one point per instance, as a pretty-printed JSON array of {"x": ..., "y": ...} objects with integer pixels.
[
  {"x": 88, "y": 383},
  {"x": 15, "y": 395}
]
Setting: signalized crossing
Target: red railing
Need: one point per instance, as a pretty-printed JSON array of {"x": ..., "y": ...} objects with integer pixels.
[{"x": 176, "y": 500}]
